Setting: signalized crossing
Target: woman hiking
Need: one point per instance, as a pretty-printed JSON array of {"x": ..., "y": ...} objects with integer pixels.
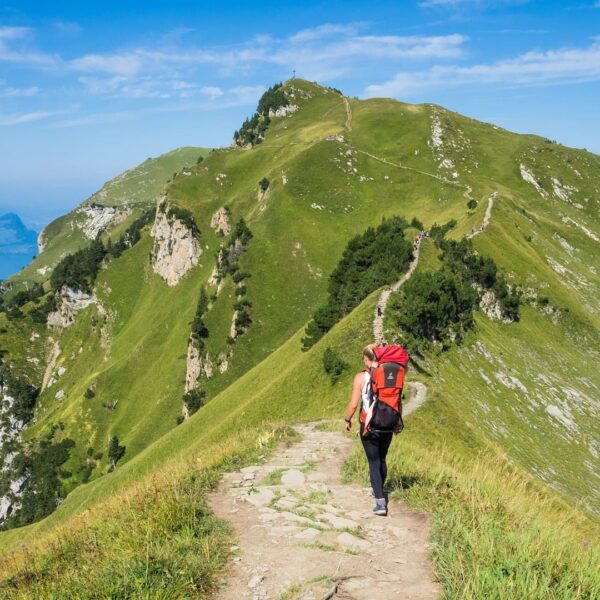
[{"x": 375, "y": 443}]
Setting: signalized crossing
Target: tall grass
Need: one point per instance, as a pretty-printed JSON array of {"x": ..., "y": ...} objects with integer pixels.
[
  {"x": 496, "y": 533},
  {"x": 157, "y": 540}
]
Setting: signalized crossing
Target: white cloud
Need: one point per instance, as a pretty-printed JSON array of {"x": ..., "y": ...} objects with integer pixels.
[
  {"x": 322, "y": 31},
  {"x": 18, "y": 119},
  {"x": 563, "y": 65},
  {"x": 455, "y": 4},
  {"x": 211, "y": 91},
  {"x": 129, "y": 63},
  {"x": 313, "y": 52},
  {"x": 21, "y": 55},
  {"x": 11, "y": 92}
]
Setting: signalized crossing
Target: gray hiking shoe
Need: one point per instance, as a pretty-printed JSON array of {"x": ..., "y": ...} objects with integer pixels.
[{"x": 380, "y": 508}]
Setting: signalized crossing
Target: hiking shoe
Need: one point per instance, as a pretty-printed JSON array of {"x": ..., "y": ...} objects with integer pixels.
[{"x": 380, "y": 508}]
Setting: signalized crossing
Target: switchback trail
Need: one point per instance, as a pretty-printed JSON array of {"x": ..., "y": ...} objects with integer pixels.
[
  {"x": 486, "y": 217},
  {"x": 385, "y": 296},
  {"x": 304, "y": 533}
]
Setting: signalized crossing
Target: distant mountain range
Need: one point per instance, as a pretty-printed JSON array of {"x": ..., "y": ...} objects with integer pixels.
[{"x": 17, "y": 244}]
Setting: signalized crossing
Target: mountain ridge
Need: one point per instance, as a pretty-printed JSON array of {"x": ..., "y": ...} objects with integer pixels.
[{"x": 330, "y": 176}]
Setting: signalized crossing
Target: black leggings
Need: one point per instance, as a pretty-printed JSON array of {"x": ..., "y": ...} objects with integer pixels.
[{"x": 376, "y": 447}]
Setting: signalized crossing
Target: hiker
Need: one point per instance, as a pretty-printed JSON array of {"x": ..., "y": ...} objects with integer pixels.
[
  {"x": 379, "y": 311},
  {"x": 377, "y": 430}
]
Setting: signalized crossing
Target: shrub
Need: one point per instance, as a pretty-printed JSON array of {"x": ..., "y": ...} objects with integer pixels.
[
  {"x": 40, "y": 313},
  {"x": 131, "y": 236},
  {"x": 41, "y": 465},
  {"x": 437, "y": 304},
  {"x": 333, "y": 364},
  {"x": 472, "y": 204},
  {"x": 417, "y": 224},
  {"x": 264, "y": 184},
  {"x": 253, "y": 129},
  {"x": 194, "y": 400},
  {"x": 375, "y": 258},
  {"x": 115, "y": 452},
  {"x": 79, "y": 270},
  {"x": 199, "y": 330}
]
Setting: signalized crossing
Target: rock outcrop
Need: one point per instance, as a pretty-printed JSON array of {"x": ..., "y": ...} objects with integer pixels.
[
  {"x": 194, "y": 367},
  {"x": 41, "y": 241},
  {"x": 69, "y": 304},
  {"x": 10, "y": 429},
  {"x": 283, "y": 111},
  {"x": 176, "y": 247},
  {"x": 98, "y": 218},
  {"x": 221, "y": 222}
]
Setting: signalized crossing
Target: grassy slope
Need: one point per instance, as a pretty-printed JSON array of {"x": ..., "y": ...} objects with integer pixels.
[{"x": 293, "y": 237}]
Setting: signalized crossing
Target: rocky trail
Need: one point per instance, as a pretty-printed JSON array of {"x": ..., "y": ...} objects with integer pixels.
[
  {"x": 304, "y": 535},
  {"x": 486, "y": 217},
  {"x": 379, "y": 315},
  {"x": 348, "y": 124}
]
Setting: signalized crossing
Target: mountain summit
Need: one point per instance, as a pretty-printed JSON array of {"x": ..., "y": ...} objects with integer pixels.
[{"x": 160, "y": 342}]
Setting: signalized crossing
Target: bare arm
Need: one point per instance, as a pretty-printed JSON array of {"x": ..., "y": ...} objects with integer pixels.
[{"x": 357, "y": 386}]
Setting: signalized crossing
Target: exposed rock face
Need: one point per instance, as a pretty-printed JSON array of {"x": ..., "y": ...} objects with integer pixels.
[
  {"x": 283, "y": 111},
  {"x": 492, "y": 308},
  {"x": 10, "y": 429},
  {"x": 9, "y": 426},
  {"x": 220, "y": 221},
  {"x": 233, "y": 328},
  {"x": 70, "y": 303},
  {"x": 98, "y": 218},
  {"x": 529, "y": 177},
  {"x": 222, "y": 362},
  {"x": 41, "y": 241},
  {"x": 176, "y": 248},
  {"x": 193, "y": 367},
  {"x": 213, "y": 279}
]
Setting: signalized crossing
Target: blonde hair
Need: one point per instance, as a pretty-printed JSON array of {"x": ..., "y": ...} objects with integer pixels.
[{"x": 368, "y": 351}]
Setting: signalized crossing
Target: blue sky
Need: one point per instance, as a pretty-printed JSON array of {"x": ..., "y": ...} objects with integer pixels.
[{"x": 88, "y": 89}]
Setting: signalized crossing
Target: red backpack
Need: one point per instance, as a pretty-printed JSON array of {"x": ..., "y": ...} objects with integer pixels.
[{"x": 387, "y": 381}]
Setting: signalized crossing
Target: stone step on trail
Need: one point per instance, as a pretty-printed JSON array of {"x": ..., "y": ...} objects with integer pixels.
[{"x": 309, "y": 534}]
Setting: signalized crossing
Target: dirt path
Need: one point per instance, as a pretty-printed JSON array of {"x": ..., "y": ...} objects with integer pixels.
[
  {"x": 303, "y": 533},
  {"x": 385, "y": 296},
  {"x": 385, "y": 161},
  {"x": 486, "y": 217},
  {"x": 348, "y": 124},
  {"x": 52, "y": 358}
]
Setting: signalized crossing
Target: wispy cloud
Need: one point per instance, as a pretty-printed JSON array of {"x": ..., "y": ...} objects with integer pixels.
[
  {"x": 320, "y": 53},
  {"x": 563, "y": 65},
  {"x": 323, "y": 31},
  {"x": 13, "y": 48},
  {"x": 455, "y": 4},
  {"x": 323, "y": 52},
  {"x": 18, "y": 119},
  {"x": 14, "y": 92}
]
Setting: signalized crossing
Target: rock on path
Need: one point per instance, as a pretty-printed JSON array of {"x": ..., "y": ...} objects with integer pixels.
[{"x": 304, "y": 533}]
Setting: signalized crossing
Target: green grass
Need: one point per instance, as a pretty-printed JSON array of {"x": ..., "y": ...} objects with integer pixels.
[
  {"x": 513, "y": 488},
  {"x": 157, "y": 540}
]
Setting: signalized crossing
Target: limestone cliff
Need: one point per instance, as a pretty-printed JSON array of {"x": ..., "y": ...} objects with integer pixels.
[{"x": 176, "y": 246}]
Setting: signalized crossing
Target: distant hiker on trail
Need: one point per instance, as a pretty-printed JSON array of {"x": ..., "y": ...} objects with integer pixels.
[
  {"x": 378, "y": 311},
  {"x": 379, "y": 387}
]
